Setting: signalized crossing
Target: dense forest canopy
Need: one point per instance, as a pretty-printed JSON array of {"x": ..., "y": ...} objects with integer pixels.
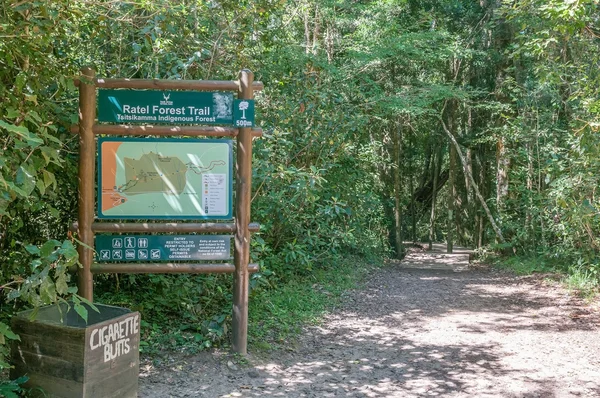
[{"x": 472, "y": 122}]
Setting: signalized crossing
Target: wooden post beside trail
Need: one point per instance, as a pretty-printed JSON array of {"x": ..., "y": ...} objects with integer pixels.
[
  {"x": 241, "y": 256},
  {"x": 87, "y": 173}
]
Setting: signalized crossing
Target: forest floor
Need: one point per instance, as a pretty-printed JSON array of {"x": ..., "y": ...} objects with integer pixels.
[{"x": 431, "y": 325}]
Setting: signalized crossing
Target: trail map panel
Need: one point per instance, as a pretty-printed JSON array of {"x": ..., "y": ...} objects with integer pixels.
[
  {"x": 164, "y": 178},
  {"x": 168, "y": 107}
]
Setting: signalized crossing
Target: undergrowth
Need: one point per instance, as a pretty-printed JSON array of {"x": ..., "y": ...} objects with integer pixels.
[
  {"x": 582, "y": 279},
  {"x": 276, "y": 316},
  {"x": 583, "y": 283}
]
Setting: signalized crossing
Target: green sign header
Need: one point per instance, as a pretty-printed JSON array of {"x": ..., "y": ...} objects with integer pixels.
[{"x": 168, "y": 107}]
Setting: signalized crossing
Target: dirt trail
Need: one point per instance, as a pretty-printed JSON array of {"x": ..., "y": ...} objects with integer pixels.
[{"x": 425, "y": 327}]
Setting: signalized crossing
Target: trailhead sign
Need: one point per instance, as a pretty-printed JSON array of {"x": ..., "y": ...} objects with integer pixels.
[
  {"x": 167, "y": 107},
  {"x": 127, "y": 176},
  {"x": 164, "y": 178}
]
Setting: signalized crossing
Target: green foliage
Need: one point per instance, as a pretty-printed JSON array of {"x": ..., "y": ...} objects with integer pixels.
[
  {"x": 278, "y": 314},
  {"x": 5, "y": 335},
  {"x": 12, "y": 389},
  {"x": 583, "y": 282},
  {"x": 522, "y": 265},
  {"x": 48, "y": 274},
  {"x": 581, "y": 278},
  {"x": 553, "y": 209},
  {"x": 178, "y": 311},
  {"x": 45, "y": 281},
  {"x": 37, "y": 103}
]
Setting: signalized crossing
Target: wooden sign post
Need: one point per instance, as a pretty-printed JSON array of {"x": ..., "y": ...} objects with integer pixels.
[
  {"x": 164, "y": 111},
  {"x": 242, "y": 235},
  {"x": 87, "y": 173}
]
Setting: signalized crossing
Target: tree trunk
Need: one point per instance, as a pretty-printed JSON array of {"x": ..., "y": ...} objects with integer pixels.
[
  {"x": 469, "y": 158},
  {"x": 436, "y": 161},
  {"x": 503, "y": 164},
  {"x": 451, "y": 200},
  {"x": 481, "y": 231},
  {"x": 397, "y": 195},
  {"x": 329, "y": 43},
  {"x": 451, "y": 197},
  {"x": 427, "y": 165},
  {"x": 473, "y": 184},
  {"x": 480, "y": 220},
  {"x": 529, "y": 217},
  {"x": 413, "y": 216},
  {"x": 307, "y": 30},
  {"x": 315, "y": 38}
]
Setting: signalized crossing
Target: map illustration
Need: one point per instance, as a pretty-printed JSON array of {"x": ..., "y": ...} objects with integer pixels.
[{"x": 164, "y": 178}]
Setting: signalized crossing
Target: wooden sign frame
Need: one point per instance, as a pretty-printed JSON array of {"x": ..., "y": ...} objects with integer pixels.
[{"x": 241, "y": 227}]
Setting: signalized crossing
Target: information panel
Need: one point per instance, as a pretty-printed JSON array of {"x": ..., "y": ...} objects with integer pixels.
[
  {"x": 124, "y": 248},
  {"x": 167, "y": 107},
  {"x": 164, "y": 178}
]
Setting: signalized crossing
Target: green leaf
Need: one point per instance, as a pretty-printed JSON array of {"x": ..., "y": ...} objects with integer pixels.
[
  {"x": 81, "y": 310},
  {"x": 40, "y": 186},
  {"x": 89, "y": 303},
  {"x": 31, "y": 98},
  {"x": 48, "y": 291},
  {"x": 35, "y": 263},
  {"x": 8, "y": 391},
  {"x": 32, "y": 249},
  {"x": 13, "y": 294},
  {"x": 21, "y": 380},
  {"x": 34, "y": 313},
  {"x": 67, "y": 246},
  {"x": 26, "y": 179},
  {"x": 5, "y": 331},
  {"x": 12, "y": 113},
  {"x": 54, "y": 212},
  {"x": 61, "y": 284},
  {"x": 51, "y": 154},
  {"x": 16, "y": 189},
  {"x": 22, "y": 131},
  {"x": 49, "y": 247},
  {"x": 70, "y": 254},
  {"x": 33, "y": 115},
  {"x": 48, "y": 178}
]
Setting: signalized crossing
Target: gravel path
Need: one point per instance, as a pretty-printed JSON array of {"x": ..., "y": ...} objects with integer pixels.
[{"x": 428, "y": 326}]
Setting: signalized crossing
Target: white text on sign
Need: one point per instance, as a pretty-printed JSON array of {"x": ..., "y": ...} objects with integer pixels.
[{"x": 115, "y": 337}]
